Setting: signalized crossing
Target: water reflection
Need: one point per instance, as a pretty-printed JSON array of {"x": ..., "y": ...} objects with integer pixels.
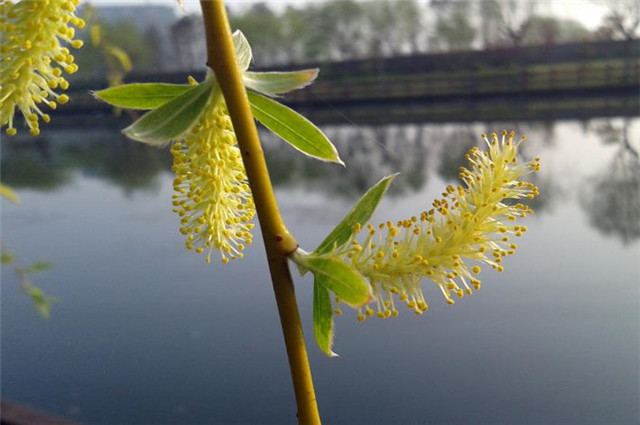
[
  {"x": 163, "y": 338},
  {"x": 452, "y": 155},
  {"x": 49, "y": 163},
  {"x": 31, "y": 166},
  {"x": 370, "y": 152},
  {"x": 612, "y": 198}
]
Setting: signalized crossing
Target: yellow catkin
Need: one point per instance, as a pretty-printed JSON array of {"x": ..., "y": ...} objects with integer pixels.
[
  {"x": 212, "y": 196},
  {"x": 32, "y": 58},
  {"x": 472, "y": 224}
]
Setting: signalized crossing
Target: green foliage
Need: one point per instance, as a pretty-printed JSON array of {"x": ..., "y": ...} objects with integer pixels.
[
  {"x": 331, "y": 274},
  {"x": 172, "y": 119},
  {"x": 175, "y": 108},
  {"x": 6, "y": 257},
  {"x": 323, "y": 317},
  {"x": 243, "y": 50},
  {"x": 38, "y": 266},
  {"x": 142, "y": 95},
  {"x": 359, "y": 214},
  {"x": 41, "y": 301},
  {"x": 338, "y": 277},
  {"x": 293, "y": 128},
  {"x": 275, "y": 83}
]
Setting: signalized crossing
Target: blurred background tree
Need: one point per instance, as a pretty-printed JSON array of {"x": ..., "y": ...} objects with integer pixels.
[{"x": 622, "y": 21}]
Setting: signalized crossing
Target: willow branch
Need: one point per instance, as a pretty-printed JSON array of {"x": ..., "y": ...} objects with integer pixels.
[{"x": 279, "y": 243}]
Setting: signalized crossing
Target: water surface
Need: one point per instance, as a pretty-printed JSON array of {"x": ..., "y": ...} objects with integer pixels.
[{"x": 147, "y": 333}]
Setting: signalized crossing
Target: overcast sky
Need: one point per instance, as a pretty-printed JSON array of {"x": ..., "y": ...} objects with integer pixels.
[{"x": 588, "y": 12}]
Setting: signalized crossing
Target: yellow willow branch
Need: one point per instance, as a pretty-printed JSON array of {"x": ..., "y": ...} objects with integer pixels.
[{"x": 279, "y": 243}]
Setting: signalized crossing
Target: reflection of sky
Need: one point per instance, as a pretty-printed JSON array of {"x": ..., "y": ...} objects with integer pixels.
[{"x": 147, "y": 333}]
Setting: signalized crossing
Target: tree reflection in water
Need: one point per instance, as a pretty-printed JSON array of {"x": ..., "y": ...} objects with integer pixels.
[
  {"x": 48, "y": 163},
  {"x": 370, "y": 153},
  {"x": 612, "y": 202},
  {"x": 31, "y": 165}
]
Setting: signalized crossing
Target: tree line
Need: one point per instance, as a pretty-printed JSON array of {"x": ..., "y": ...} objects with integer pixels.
[
  {"x": 337, "y": 30},
  {"x": 349, "y": 29}
]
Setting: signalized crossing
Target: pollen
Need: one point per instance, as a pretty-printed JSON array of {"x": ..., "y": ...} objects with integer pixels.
[
  {"x": 212, "y": 195},
  {"x": 32, "y": 33},
  {"x": 470, "y": 228}
]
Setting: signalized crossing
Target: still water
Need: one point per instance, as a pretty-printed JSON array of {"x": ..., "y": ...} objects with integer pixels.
[{"x": 147, "y": 333}]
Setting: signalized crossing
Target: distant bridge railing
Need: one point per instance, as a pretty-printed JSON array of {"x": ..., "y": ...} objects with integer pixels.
[
  {"x": 477, "y": 60},
  {"x": 606, "y": 77},
  {"x": 537, "y": 82},
  {"x": 609, "y": 77}
]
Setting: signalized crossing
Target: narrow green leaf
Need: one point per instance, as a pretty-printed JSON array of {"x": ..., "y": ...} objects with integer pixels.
[
  {"x": 275, "y": 83},
  {"x": 141, "y": 95},
  {"x": 323, "y": 317},
  {"x": 360, "y": 213},
  {"x": 38, "y": 266},
  {"x": 293, "y": 128},
  {"x": 41, "y": 301},
  {"x": 174, "y": 117},
  {"x": 341, "y": 279},
  {"x": 243, "y": 50}
]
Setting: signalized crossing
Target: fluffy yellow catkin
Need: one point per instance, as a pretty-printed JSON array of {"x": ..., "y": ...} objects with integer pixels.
[
  {"x": 212, "y": 196},
  {"x": 32, "y": 58},
  {"x": 470, "y": 225}
]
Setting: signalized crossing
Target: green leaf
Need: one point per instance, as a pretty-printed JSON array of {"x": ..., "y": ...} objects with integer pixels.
[
  {"x": 38, "y": 266},
  {"x": 275, "y": 83},
  {"x": 6, "y": 257},
  {"x": 174, "y": 117},
  {"x": 360, "y": 213},
  {"x": 141, "y": 95},
  {"x": 41, "y": 301},
  {"x": 243, "y": 50},
  {"x": 293, "y": 128},
  {"x": 340, "y": 278},
  {"x": 322, "y": 317}
]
